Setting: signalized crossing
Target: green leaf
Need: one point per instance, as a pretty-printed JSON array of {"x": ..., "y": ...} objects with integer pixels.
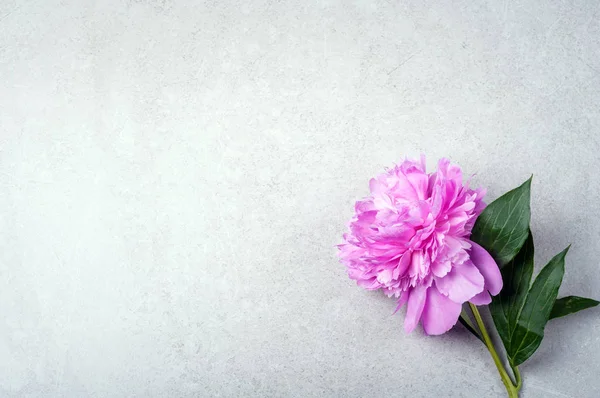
[
  {"x": 503, "y": 226},
  {"x": 570, "y": 305},
  {"x": 516, "y": 276},
  {"x": 468, "y": 324},
  {"x": 529, "y": 330}
]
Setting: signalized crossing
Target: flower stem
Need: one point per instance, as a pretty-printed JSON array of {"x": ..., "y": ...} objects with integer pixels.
[
  {"x": 513, "y": 391},
  {"x": 517, "y": 374}
]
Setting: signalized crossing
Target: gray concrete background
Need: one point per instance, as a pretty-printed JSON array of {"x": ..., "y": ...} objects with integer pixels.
[{"x": 174, "y": 177}]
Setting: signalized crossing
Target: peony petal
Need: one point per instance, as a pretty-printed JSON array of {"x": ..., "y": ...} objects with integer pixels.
[
  {"x": 362, "y": 206},
  {"x": 416, "y": 263},
  {"x": 440, "y": 313},
  {"x": 462, "y": 283},
  {"x": 403, "y": 264},
  {"x": 385, "y": 276},
  {"x": 376, "y": 186},
  {"x": 383, "y": 201},
  {"x": 369, "y": 284},
  {"x": 441, "y": 268},
  {"x": 488, "y": 268},
  {"x": 464, "y": 208},
  {"x": 419, "y": 182},
  {"x": 453, "y": 245},
  {"x": 436, "y": 200},
  {"x": 414, "y": 308},
  {"x": 482, "y": 298},
  {"x": 418, "y": 214},
  {"x": 404, "y": 189},
  {"x": 423, "y": 160},
  {"x": 402, "y": 300}
]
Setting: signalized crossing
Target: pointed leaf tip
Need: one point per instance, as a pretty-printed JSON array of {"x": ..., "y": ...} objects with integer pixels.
[{"x": 570, "y": 305}]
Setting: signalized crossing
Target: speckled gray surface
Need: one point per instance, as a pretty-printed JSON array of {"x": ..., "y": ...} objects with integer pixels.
[{"x": 174, "y": 177}]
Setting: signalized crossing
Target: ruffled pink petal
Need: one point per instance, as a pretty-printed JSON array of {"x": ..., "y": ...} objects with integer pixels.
[
  {"x": 440, "y": 313},
  {"x": 416, "y": 263},
  {"x": 441, "y": 268},
  {"x": 482, "y": 298},
  {"x": 419, "y": 182},
  {"x": 414, "y": 308},
  {"x": 377, "y": 187},
  {"x": 362, "y": 206},
  {"x": 403, "y": 264},
  {"x": 401, "y": 301},
  {"x": 462, "y": 283},
  {"x": 488, "y": 268},
  {"x": 385, "y": 276},
  {"x": 404, "y": 189},
  {"x": 369, "y": 284},
  {"x": 464, "y": 208}
]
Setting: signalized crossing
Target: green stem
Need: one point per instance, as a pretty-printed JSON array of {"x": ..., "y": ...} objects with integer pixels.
[
  {"x": 517, "y": 374},
  {"x": 513, "y": 391}
]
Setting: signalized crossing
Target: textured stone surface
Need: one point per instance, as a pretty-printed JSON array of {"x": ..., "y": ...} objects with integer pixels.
[{"x": 174, "y": 177}]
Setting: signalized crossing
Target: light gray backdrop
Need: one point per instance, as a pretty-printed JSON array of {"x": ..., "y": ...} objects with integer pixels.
[{"x": 174, "y": 176}]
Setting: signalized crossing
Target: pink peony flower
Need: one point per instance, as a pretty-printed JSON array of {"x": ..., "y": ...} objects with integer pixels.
[{"x": 410, "y": 238}]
